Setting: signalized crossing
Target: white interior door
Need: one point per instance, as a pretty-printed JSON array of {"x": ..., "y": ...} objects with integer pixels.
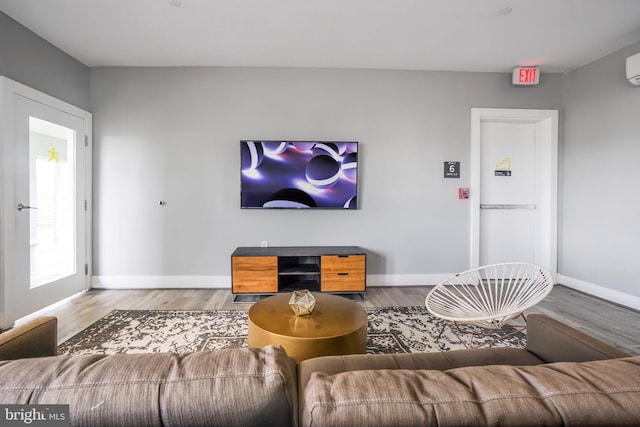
[
  {"x": 514, "y": 187},
  {"x": 46, "y": 238}
]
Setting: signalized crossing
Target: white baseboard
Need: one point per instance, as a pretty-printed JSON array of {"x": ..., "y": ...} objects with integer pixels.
[
  {"x": 160, "y": 282},
  {"x": 373, "y": 280},
  {"x": 222, "y": 282},
  {"x": 405, "y": 279},
  {"x": 618, "y": 297}
]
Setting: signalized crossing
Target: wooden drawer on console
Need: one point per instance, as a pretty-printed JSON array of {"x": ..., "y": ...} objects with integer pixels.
[
  {"x": 254, "y": 274},
  {"x": 342, "y": 263},
  {"x": 343, "y": 273},
  {"x": 342, "y": 282}
]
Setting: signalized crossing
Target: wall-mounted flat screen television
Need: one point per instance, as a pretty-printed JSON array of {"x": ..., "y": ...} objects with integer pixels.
[{"x": 299, "y": 174}]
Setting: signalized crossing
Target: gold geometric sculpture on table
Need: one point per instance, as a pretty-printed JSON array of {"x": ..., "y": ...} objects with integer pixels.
[{"x": 302, "y": 302}]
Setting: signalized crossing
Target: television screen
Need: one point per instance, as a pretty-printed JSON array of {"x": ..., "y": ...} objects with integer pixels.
[{"x": 299, "y": 174}]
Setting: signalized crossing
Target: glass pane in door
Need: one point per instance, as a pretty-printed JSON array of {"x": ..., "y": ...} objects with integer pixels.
[{"x": 52, "y": 201}]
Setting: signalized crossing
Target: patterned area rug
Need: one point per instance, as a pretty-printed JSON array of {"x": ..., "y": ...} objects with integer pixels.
[{"x": 390, "y": 330}]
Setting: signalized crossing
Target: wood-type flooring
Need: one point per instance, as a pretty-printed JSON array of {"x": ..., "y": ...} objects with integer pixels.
[{"x": 609, "y": 322}]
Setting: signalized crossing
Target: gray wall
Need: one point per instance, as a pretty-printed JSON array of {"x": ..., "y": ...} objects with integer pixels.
[
  {"x": 27, "y": 58},
  {"x": 172, "y": 134},
  {"x": 600, "y": 220}
]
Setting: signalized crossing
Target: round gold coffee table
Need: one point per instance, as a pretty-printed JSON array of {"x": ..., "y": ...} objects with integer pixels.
[{"x": 336, "y": 326}]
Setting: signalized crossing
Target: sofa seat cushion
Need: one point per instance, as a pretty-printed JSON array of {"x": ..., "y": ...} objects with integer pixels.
[
  {"x": 238, "y": 386},
  {"x": 590, "y": 393},
  {"x": 553, "y": 341}
]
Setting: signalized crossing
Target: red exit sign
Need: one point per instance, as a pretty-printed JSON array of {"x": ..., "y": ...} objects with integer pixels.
[{"x": 526, "y": 76}]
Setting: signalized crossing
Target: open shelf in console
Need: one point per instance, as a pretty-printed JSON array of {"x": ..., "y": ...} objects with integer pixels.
[
  {"x": 298, "y": 265},
  {"x": 291, "y": 283},
  {"x": 298, "y": 272}
]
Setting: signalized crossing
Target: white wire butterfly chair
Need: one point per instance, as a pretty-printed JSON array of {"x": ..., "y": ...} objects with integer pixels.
[{"x": 488, "y": 297}]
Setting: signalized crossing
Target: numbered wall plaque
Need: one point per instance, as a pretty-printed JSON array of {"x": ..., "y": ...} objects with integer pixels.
[{"x": 452, "y": 169}]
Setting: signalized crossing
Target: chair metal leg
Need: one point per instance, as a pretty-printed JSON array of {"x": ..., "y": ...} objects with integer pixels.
[
  {"x": 444, "y": 325},
  {"x": 457, "y": 329},
  {"x": 500, "y": 338},
  {"x": 454, "y": 330}
]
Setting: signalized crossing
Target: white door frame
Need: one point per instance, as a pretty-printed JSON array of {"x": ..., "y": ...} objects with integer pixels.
[
  {"x": 9, "y": 88},
  {"x": 546, "y": 122}
]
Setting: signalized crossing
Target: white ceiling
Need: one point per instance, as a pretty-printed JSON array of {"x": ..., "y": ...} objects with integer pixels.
[{"x": 452, "y": 35}]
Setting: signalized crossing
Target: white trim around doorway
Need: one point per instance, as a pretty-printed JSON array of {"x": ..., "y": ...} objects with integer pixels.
[{"x": 547, "y": 121}]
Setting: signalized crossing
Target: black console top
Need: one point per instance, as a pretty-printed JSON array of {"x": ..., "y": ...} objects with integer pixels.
[{"x": 298, "y": 251}]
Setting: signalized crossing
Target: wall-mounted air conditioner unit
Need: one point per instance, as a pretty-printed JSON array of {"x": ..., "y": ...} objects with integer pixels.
[{"x": 633, "y": 69}]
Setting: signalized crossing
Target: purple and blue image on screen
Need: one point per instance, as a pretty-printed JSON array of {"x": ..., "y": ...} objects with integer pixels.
[{"x": 299, "y": 174}]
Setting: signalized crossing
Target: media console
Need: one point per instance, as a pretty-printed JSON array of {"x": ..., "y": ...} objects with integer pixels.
[{"x": 264, "y": 271}]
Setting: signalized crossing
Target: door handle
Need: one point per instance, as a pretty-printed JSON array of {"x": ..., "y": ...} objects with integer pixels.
[{"x": 21, "y": 207}]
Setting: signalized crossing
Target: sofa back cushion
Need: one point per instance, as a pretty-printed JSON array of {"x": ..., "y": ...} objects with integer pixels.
[
  {"x": 231, "y": 387},
  {"x": 590, "y": 393},
  {"x": 440, "y": 361}
]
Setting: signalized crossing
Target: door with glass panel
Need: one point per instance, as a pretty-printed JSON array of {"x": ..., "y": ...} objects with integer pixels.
[{"x": 48, "y": 235}]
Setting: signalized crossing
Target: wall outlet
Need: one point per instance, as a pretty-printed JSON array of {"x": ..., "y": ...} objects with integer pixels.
[{"x": 264, "y": 244}]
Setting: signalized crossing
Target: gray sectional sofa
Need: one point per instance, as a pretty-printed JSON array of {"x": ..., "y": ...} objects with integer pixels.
[{"x": 563, "y": 377}]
